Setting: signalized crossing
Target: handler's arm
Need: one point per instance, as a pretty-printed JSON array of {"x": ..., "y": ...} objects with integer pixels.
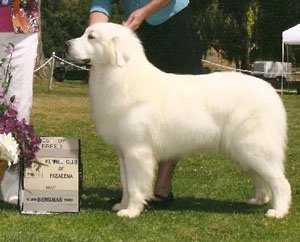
[
  {"x": 100, "y": 11},
  {"x": 137, "y": 17},
  {"x": 97, "y": 17}
]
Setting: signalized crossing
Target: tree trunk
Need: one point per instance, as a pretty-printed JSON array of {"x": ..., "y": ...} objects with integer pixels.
[
  {"x": 245, "y": 46},
  {"x": 245, "y": 43},
  {"x": 40, "y": 59}
]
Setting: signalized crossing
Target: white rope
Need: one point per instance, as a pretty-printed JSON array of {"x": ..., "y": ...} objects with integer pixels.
[
  {"x": 42, "y": 66},
  {"x": 205, "y": 61},
  {"x": 62, "y": 60},
  {"x": 71, "y": 64},
  {"x": 246, "y": 71}
]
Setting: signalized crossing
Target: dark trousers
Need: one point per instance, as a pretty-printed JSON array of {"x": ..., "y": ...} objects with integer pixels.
[{"x": 173, "y": 46}]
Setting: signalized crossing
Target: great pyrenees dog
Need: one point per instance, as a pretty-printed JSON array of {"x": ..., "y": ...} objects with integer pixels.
[{"x": 151, "y": 116}]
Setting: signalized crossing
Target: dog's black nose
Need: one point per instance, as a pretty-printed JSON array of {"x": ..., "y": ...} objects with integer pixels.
[{"x": 67, "y": 45}]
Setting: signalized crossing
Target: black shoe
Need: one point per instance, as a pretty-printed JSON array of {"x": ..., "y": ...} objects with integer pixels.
[{"x": 160, "y": 201}]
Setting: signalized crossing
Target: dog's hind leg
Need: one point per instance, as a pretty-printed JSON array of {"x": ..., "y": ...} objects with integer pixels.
[
  {"x": 281, "y": 193},
  {"x": 124, "y": 202},
  {"x": 263, "y": 193},
  {"x": 266, "y": 162},
  {"x": 139, "y": 164}
]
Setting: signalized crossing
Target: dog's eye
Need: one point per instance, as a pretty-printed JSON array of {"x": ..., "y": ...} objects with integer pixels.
[{"x": 91, "y": 36}]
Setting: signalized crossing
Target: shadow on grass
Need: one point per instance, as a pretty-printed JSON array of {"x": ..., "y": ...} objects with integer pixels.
[
  {"x": 211, "y": 205},
  {"x": 104, "y": 199},
  {"x": 100, "y": 198},
  {"x": 7, "y": 207}
]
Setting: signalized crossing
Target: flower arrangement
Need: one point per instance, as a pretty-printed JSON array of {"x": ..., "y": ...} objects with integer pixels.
[{"x": 18, "y": 142}]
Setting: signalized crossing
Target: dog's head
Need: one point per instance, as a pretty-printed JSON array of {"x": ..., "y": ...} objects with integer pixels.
[{"x": 104, "y": 44}]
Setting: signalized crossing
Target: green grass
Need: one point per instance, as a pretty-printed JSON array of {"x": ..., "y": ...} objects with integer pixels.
[{"x": 210, "y": 191}]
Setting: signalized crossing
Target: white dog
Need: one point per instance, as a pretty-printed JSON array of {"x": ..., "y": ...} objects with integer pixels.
[{"x": 149, "y": 116}]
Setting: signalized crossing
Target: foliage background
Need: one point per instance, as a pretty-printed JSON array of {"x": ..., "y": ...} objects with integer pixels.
[
  {"x": 242, "y": 31},
  {"x": 66, "y": 19}
]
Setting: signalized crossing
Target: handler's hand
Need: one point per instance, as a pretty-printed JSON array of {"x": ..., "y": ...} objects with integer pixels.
[{"x": 136, "y": 19}]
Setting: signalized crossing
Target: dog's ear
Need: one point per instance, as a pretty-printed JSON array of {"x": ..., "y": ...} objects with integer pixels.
[{"x": 119, "y": 54}]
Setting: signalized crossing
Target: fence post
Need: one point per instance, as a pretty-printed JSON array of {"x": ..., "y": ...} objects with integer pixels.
[{"x": 51, "y": 72}]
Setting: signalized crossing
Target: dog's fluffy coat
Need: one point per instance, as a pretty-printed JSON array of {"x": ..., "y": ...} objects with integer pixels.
[{"x": 150, "y": 116}]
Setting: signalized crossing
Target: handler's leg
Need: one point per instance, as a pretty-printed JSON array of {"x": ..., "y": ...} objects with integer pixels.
[
  {"x": 173, "y": 47},
  {"x": 163, "y": 186},
  {"x": 22, "y": 75}
]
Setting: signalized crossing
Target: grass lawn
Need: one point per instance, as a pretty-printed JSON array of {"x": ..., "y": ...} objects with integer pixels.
[{"x": 210, "y": 191}]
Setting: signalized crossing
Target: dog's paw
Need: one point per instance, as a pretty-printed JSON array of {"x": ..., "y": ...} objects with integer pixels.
[
  {"x": 259, "y": 201},
  {"x": 272, "y": 213},
  {"x": 131, "y": 213},
  {"x": 118, "y": 206}
]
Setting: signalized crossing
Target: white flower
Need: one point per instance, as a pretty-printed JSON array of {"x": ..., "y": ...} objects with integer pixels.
[{"x": 9, "y": 148}]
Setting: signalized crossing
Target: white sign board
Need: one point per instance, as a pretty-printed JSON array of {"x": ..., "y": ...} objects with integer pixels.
[{"x": 54, "y": 186}]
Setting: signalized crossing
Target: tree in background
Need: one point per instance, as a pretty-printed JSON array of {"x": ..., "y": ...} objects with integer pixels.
[
  {"x": 40, "y": 60},
  {"x": 274, "y": 17},
  {"x": 227, "y": 26},
  {"x": 242, "y": 31},
  {"x": 63, "y": 20},
  {"x": 205, "y": 17},
  {"x": 236, "y": 36}
]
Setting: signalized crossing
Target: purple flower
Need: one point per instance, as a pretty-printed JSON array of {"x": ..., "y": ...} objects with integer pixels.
[
  {"x": 2, "y": 90},
  {"x": 9, "y": 49}
]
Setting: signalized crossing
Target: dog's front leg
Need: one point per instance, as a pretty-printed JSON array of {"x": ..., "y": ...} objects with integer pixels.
[
  {"x": 139, "y": 164},
  {"x": 124, "y": 202}
]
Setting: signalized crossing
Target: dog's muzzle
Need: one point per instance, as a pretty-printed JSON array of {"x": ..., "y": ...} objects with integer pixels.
[{"x": 67, "y": 48}]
